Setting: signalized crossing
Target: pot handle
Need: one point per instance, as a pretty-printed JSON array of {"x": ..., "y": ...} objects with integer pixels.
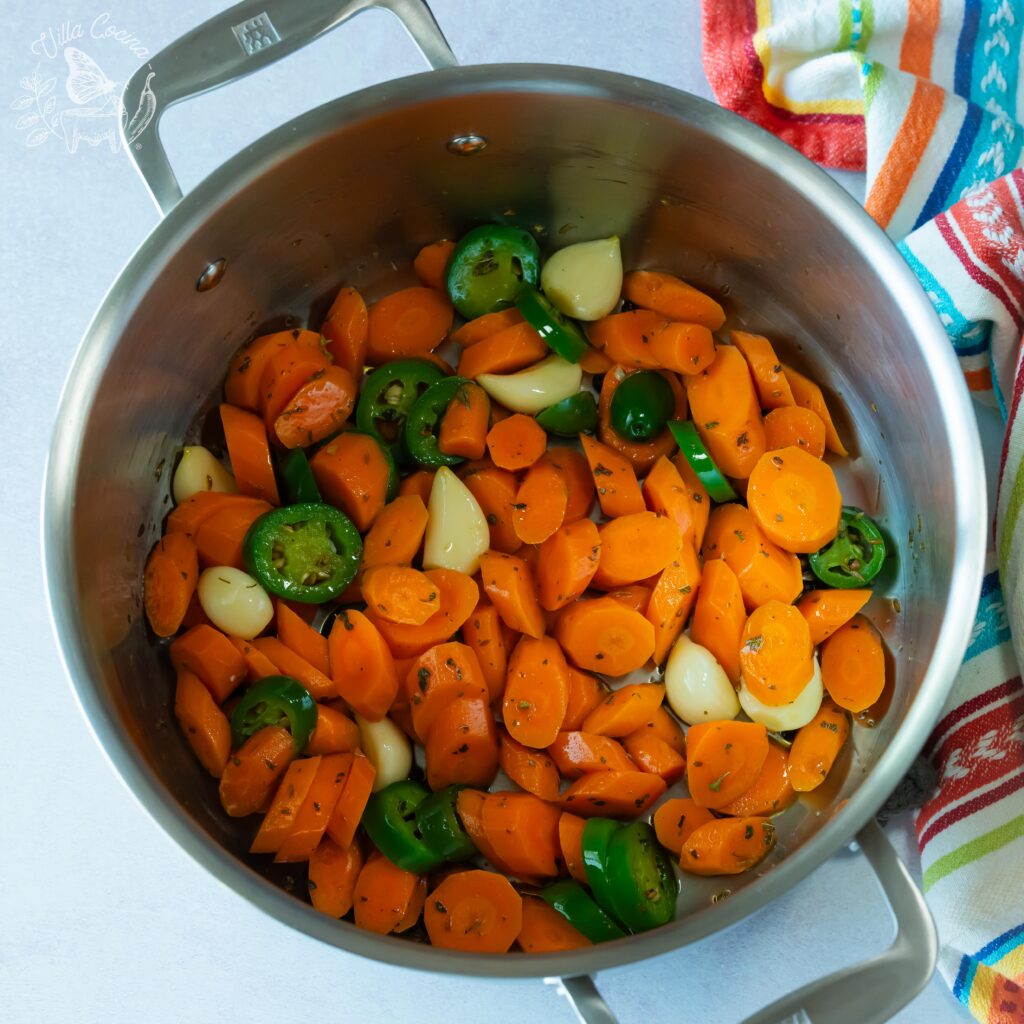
[
  {"x": 249, "y": 36},
  {"x": 867, "y": 993}
]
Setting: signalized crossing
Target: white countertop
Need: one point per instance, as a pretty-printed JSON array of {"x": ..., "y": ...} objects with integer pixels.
[{"x": 102, "y": 917}]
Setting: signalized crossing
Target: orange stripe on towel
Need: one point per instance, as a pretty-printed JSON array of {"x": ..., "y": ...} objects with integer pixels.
[
  {"x": 979, "y": 380},
  {"x": 919, "y": 38}
]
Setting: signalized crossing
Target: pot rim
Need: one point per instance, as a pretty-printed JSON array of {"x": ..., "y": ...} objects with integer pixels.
[{"x": 286, "y": 141}]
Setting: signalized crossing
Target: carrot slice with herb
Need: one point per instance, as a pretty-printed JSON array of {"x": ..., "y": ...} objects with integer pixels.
[
  {"x": 719, "y": 616},
  {"x": 634, "y": 547},
  {"x": 335, "y": 732},
  {"x": 431, "y": 262},
  {"x": 345, "y": 329},
  {"x": 410, "y": 322},
  {"x": 664, "y": 725},
  {"x": 532, "y": 770},
  {"x": 249, "y": 453},
  {"x": 816, "y": 747},
  {"x": 613, "y": 794},
  {"x": 537, "y": 691},
  {"x": 193, "y": 512},
  {"x": 570, "y": 839},
  {"x": 541, "y": 501},
  {"x": 172, "y": 572},
  {"x": 585, "y": 693},
  {"x": 495, "y": 493},
  {"x": 579, "y": 483},
  {"x": 464, "y": 424},
  {"x": 205, "y": 726},
  {"x": 511, "y": 349},
  {"x": 634, "y": 596},
  {"x": 577, "y": 753},
  {"x": 676, "y": 820},
  {"x": 601, "y": 635},
  {"x": 672, "y": 598},
  {"x": 396, "y": 534},
  {"x": 446, "y": 673},
  {"x": 320, "y": 685},
  {"x": 626, "y": 337},
  {"x": 303, "y": 639},
  {"x": 485, "y": 326},
  {"x": 654, "y": 755},
  {"x": 808, "y": 395},
  {"x": 420, "y": 483},
  {"x": 318, "y": 409},
  {"x": 353, "y": 473},
  {"x": 853, "y": 665},
  {"x": 793, "y": 425},
  {"x": 673, "y": 298},
  {"x": 773, "y": 388},
  {"x": 287, "y": 370},
  {"x": 771, "y": 792},
  {"x": 245, "y": 373},
  {"x": 544, "y": 930},
  {"x": 253, "y": 771},
  {"x": 617, "y": 489},
  {"x": 349, "y": 809},
  {"x": 508, "y": 583},
  {"x": 362, "y": 666},
  {"x": 625, "y": 710},
  {"x": 523, "y": 831},
  {"x": 667, "y": 495},
  {"x": 400, "y": 593},
  {"x": 469, "y": 804},
  {"x": 475, "y": 912},
  {"x": 483, "y": 632},
  {"x": 382, "y": 895},
  {"x": 279, "y": 820},
  {"x": 209, "y": 654},
  {"x": 776, "y": 656},
  {"x": 415, "y": 907},
  {"x": 516, "y": 442},
  {"x": 683, "y": 348},
  {"x": 258, "y": 665},
  {"x": 220, "y": 537},
  {"x": 700, "y": 502},
  {"x": 728, "y": 846},
  {"x": 311, "y": 821},
  {"x": 723, "y": 760},
  {"x": 567, "y": 563},
  {"x": 827, "y": 610},
  {"x": 332, "y": 877}
]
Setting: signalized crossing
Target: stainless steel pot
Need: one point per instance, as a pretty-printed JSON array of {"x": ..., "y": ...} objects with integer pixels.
[{"x": 336, "y": 196}]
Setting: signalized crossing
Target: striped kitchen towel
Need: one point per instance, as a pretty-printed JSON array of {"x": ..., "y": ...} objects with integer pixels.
[{"x": 927, "y": 97}]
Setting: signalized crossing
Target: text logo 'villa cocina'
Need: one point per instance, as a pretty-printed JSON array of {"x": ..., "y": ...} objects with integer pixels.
[{"x": 69, "y": 97}]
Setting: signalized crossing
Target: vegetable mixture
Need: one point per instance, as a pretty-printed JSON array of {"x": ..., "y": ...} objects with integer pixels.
[{"x": 409, "y": 622}]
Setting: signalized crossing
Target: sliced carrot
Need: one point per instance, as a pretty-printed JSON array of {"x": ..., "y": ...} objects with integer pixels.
[
  {"x": 516, "y": 442},
  {"x": 362, "y": 666},
  {"x": 601, "y": 635},
  {"x": 258, "y": 665},
  {"x": 446, "y": 673},
  {"x": 613, "y": 794},
  {"x": 332, "y": 877},
  {"x": 570, "y": 839},
  {"x": 335, "y": 732},
  {"x": 723, "y": 760},
  {"x": 544, "y": 930},
  {"x": 410, "y": 322},
  {"x": 567, "y": 563},
  {"x": 700, "y": 503},
  {"x": 350, "y": 806},
  {"x": 508, "y": 583},
  {"x": 672, "y": 599},
  {"x": 853, "y": 665},
  {"x": 485, "y": 326},
  {"x": 172, "y": 572},
  {"x": 396, "y": 534},
  {"x": 595, "y": 361},
  {"x": 776, "y": 656},
  {"x": 462, "y": 745},
  {"x": 617, "y": 489},
  {"x": 431, "y": 262},
  {"x": 249, "y": 453},
  {"x": 625, "y": 710},
  {"x": 540, "y": 505},
  {"x": 194, "y": 614},
  {"x": 666, "y": 494},
  {"x": 464, "y": 425},
  {"x": 470, "y": 806},
  {"x": 654, "y": 755},
  {"x": 634, "y": 547},
  {"x": 193, "y": 512},
  {"x": 773, "y": 388},
  {"x": 420, "y": 483},
  {"x": 495, "y": 492},
  {"x": 458, "y": 594},
  {"x": 726, "y": 413},
  {"x": 816, "y": 747},
  {"x": 523, "y": 831},
  {"x": 320, "y": 685},
  {"x": 220, "y": 538},
  {"x": 303, "y": 639},
  {"x": 763, "y": 570},
  {"x": 579, "y": 483},
  {"x": 532, "y": 770},
  {"x": 475, "y": 912},
  {"x": 634, "y": 596},
  {"x": 353, "y": 473},
  {"x": 719, "y": 616},
  {"x": 577, "y": 753},
  {"x": 318, "y": 409},
  {"x": 673, "y": 298},
  {"x": 684, "y": 348},
  {"x": 400, "y": 593},
  {"x": 676, "y": 820},
  {"x": 808, "y": 395},
  {"x": 663, "y": 725},
  {"x": 537, "y": 691},
  {"x": 415, "y": 908},
  {"x": 287, "y": 370},
  {"x": 382, "y": 895},
  {"x": 205, "y": 726},
  {"x": 280, "y": 818},
  {"x": 795, "y": 499},
  {"x": 209, "y": 654},
  {"x": 728, "y": 846},
  {"x": 827, "y": 610},
  {"x": 770, "y": 793},
  {"x": 626, "y": 337},
  {"x": 585, "y": 693},
  {"x": 317, "y": 808},
  {"x": 253, "y": 771},
  {"x": 482, "y": 631},
  {"x": 245, "y": 374},
  {"x": 793, "y": 425},
  {"x": 345, "y": 329},
  {"x": 511, "y": 349}
]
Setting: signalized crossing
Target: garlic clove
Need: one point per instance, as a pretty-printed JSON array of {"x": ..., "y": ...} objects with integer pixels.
[
  {"x": 536, "y": 387},
  {"x": 197, "y": 471},
  {"x": 696, "y": 686},
  {"x": 585, "y": 280},
  {"x": 457, "y": 533}
]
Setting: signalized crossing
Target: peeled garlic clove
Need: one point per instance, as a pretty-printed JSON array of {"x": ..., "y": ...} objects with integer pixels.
[
  {"x": 696, "y": 686},
  {"x": 585, "y": 280},
  {"x": 234, "y": 602},
  {"x": 794, "y": 715},
  {"x": 536, "y": 387},
  {"x": 388, "y": 749},
  {"x": 199, "y": 471},
  {"x": 457, "y": 532}
]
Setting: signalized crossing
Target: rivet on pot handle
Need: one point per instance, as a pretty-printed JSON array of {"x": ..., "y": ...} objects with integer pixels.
[
  {"x": 867, "y": 993},
  {"x": 243, "y": 39}
]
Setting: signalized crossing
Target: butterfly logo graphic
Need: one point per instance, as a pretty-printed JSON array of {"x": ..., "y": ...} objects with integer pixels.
[{"x": 86, "y": 81}]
